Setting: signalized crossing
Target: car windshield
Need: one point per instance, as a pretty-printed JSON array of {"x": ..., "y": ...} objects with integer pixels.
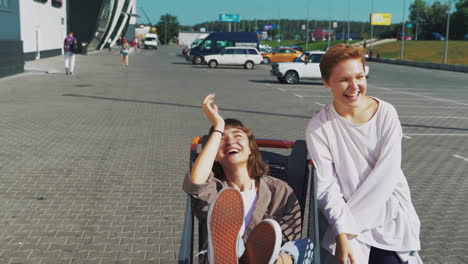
[
  {"x": 150, "y": 39},
  {"x": 196, "y": 42}
]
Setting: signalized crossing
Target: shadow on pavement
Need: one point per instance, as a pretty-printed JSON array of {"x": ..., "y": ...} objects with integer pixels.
[{"x": 182, "y": 105}]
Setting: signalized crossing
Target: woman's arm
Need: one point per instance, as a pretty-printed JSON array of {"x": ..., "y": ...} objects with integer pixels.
[{"x": 203, "y": 164}]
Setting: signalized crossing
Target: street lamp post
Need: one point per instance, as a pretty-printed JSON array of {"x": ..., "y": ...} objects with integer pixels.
[
  {"x": 372, "y": 27},
  {"x": 349, "y": 14},
  {"x": 307, "y": 27},
  {"x": 447, "y": 32},
  {"x": 403, "y": 32},
  {"x": 165, "y": 30}
]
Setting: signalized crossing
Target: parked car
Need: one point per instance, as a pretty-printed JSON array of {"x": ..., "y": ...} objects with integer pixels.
[
  {"x": 465, "y": 37},
  {"x": 217, "y": 41},
  {"x": 247, "y": 56},
  {"x": 296, "y": 47},
  {"x": 434, "y": 36},
  {"x": 150, "y": 41},
  {"x": 303, "y": 57},
  {"x": 264, "y": 48},
  {"x": 406, "y": 37},
  {"x": 294, "y": 72},
  {"x": 281, "y": 55}
]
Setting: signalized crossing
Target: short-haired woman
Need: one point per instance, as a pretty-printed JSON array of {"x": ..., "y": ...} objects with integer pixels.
[{"x": 355, "y": 144}]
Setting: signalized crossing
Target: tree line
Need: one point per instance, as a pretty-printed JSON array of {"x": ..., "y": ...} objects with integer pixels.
[{"x": 423, "y": 18}]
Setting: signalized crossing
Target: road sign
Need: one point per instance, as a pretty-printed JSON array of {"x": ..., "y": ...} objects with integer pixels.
[
  {"x": 335, "y": 24},
  {"x": 381, "y": 19},
  {"x": 268, "y": 27},
  {"x": 229, "y": 18}
]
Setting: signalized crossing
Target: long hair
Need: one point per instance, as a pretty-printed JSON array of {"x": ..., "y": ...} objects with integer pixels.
[{"x": 255, "y": 164}]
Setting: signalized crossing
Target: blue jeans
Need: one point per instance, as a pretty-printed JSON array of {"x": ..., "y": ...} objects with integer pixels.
[{"x": 301, "y": 250}]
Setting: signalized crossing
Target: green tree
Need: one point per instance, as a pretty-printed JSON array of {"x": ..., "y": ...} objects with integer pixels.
[
  {"x": 168, "y": 28},
  {"x": 437, "y": 17},
  {"x": 419, "y": 16},
  {"x": 459, "y": 20}
]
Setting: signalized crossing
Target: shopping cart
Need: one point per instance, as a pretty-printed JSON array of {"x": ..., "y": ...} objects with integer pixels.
[{"x": 295, "y": 169}]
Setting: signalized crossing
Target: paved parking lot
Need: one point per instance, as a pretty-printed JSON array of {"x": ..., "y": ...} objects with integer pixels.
[{"x": 91, "y": 165}]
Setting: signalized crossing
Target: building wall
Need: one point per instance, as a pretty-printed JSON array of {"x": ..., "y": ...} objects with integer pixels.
[
  {"x": 83, "y": 18},
  {"x": 43, "y": 28},
  {"x": 11, "y": 47}
]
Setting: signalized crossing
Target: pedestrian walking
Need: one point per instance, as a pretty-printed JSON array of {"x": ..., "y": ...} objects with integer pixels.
[
  {"x": 355, "y": 145},
  {"x": 109, "y": 42},
  {"x": 125, "y": 51},
  {"x": 70, "y": 46}
]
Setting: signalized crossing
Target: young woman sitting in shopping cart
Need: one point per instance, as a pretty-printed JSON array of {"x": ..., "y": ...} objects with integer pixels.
[{"x": 249, "y": 214}]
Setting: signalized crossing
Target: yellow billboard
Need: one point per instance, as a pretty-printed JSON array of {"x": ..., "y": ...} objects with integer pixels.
[{"x": 381, "y": 19}]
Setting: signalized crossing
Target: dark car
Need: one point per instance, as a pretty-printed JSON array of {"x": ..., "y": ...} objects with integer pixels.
[{"x": 433, "y": 36}]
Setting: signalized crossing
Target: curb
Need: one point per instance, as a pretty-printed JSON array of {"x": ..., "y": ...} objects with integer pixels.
[{"x": 427, "y": 65}]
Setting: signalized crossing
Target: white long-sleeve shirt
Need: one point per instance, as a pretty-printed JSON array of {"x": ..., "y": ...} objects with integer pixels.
[{"x": 361, "y": 188}]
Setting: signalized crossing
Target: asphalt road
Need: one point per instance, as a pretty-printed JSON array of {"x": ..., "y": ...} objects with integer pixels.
[{"x": 91, "y": 165}]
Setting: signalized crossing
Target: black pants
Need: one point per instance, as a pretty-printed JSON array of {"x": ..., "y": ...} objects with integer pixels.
[{"x": 381, "y": 256}]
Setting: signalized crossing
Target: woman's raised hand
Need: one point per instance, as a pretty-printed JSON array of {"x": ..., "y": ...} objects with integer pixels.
[{"x": 211, "y": 111}]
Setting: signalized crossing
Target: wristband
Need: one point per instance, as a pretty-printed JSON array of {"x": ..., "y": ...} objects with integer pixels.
[{"x": 215, "y": 130}]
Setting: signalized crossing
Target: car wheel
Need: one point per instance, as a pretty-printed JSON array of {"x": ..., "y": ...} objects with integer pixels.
[
  {"x": 249, "y": 65},
  {"x": 197, "y": 60},
  {"x": 291, "y": 77},
  {"x": 266, "y": 60},
  {"x": 281, "y": 79},
  {"x": 145, "y": 47},
  {"x": 212, "y": 64}
]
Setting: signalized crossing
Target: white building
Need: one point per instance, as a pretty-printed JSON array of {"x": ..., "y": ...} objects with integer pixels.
[{"x": 43, "y": 27}]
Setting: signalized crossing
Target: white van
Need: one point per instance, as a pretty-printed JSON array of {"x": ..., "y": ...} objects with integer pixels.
[{"x": 150, "y": 41}]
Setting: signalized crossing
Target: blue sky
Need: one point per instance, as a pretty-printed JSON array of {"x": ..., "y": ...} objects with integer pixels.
[{"x": 190, "y": 12}]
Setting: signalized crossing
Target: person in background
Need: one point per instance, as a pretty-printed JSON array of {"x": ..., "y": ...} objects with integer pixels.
[
  {"x": 68, "y": 43},
  {"x": 125, "y": 51},
  {"x": 109, "y": 42},
  {"x": 355, "y": 145}
]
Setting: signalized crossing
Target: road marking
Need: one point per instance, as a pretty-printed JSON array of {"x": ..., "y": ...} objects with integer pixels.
[
  {"x": 443, "y": 117},
  {"x": 460, "y": 157},
  {"x": 267, "y": 84},
  {"x": 325, "y": 96},
  {"x": 424, "y": 96},
  {"x": 281, "y": 89},
  {"x": 445, "y": 135},
  {"x": 407, "y": 137},
  {"x": 317, "y": 103},
  {"x": 306, "y": 90},
  {"x": 298, "y": 95},
  {"x": 428, "y": 106}
]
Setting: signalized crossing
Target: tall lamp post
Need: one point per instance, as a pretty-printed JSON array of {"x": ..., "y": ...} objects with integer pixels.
[
  {"x": 307, "y": 26},
  {"x": 447, "y": 32},
  {"x": 403, "y": 32},
  {"x": 349, "y": 14},
  {"x": 372, "y": 27}
]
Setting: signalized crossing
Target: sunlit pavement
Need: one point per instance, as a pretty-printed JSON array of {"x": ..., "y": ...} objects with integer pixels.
[{"x": 91, "y": 165}]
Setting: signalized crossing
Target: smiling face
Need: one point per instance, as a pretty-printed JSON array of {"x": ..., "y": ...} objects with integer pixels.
[
  {"x": 234, "y": 148},
  {"x": 348, "y": 84}
]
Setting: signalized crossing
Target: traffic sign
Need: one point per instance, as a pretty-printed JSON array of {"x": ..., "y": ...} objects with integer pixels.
[{"x": 229, "y": 18}]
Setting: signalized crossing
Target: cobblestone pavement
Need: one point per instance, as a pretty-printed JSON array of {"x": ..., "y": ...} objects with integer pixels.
[{"x": 91, "y": 165}]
